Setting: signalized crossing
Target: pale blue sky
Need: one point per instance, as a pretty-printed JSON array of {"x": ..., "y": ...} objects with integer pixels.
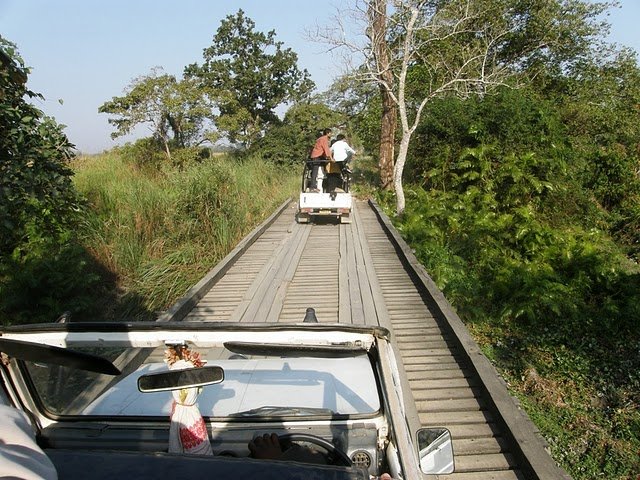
[{"x": 87, "y": 51}]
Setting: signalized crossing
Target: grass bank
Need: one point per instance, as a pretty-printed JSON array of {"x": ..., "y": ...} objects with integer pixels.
[{"x": 156, "y": 233}]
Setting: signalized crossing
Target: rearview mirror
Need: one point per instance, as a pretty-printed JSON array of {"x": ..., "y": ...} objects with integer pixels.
[
  {"x": 177, "y": 379},
  {"x": 435, "y": 450}
]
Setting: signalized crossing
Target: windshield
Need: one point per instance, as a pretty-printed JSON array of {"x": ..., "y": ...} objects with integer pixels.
[
  {"x": 256, "y": 386},
  {"x": 264, "y": 387}
]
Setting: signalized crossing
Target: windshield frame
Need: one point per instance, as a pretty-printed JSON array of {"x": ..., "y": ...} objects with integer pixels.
[{"x": 327, "y": 341}]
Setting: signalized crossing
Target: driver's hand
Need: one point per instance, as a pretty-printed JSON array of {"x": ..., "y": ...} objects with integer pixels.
[{"x": 265, "y": 447}]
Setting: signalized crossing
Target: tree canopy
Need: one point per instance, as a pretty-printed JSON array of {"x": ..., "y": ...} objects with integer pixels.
[
  {"x": 427, "y": 49},
  {"x": 289, "y": 141},
  {"x": 173, "y": 110},
  {"x": 248, "y": 74}
]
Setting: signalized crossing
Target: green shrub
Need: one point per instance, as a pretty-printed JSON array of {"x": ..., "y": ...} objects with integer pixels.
[
  {"x": 50, "y": 278},
  {"x": 36, "y": 192},
  {"x": 557, "y": 308},
  {"x": 145, "y": 153}
]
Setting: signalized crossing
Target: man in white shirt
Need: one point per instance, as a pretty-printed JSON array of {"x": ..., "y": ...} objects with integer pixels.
[
  {"x": 341, "y": 151},
  {"x": 20, "y": 455}
]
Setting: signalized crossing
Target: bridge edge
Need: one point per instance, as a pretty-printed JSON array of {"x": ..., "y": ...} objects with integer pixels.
[{"x": 531, "y": 448}]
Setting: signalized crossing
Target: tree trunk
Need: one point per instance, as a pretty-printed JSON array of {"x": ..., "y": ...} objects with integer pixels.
[
  {"x": 387, "y": 139},
  {"x": 166, "y": 147},
  {"x": 377, "y": 12},
  {"x": 398, "y": 169}
]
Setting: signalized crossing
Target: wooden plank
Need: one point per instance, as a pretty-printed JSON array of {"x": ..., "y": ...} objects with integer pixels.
[
  {"x": 439, "y": 368},
  {"x": 357, "y": 311},
  {"x": 485, "y": 462},
  {"x": 344, "y": 293},
  {"x": 409, "y": 360},
  {"x": 495, "y": 475},
  {"x": 315, "y": 283},
  {"x": 433, "y": 375},
  {"x": 366, "y": 274},
  {"x": 479, "y": 446},
  {"x": 284, "y": 283},
  {"x": 425, "y": 407},
  {"x": 453, "y": 418},
  {"x": 251, "y": 307},
  {"x": 351, "y": 273},
  {"x": 440, "y": 383},
  {"x": 446, "y": 393},
  {"x": 184, "y": 305},
  {"x": 474, "y": 430},
  {"x": 533, "y": 459}
]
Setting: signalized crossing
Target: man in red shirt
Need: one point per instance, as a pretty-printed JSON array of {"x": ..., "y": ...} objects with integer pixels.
[{"x": 321, "y": 151}]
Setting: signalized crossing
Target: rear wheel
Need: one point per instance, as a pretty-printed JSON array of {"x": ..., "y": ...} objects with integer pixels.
[{"x": 346, "y": 182}]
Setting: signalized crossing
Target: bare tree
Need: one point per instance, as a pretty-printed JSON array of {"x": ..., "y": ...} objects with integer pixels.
[{"x": 434, "y": 47}]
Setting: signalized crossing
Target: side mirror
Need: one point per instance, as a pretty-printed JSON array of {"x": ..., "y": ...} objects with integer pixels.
[
  {"x": 177, "y": 379},
  {"x": 435, "y": 450}
]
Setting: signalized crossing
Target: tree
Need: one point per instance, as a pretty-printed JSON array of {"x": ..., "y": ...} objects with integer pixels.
[
  {"x": 248, "y": 74},
  {"x": 358, "y": 104},
  {"x": 290, "y": 141},
  {"x": 173, "y": 110},
  {"x": 457, "y": 47},
  {"x": 377, "y": 13},
  {"x": 37, "y": 197}
]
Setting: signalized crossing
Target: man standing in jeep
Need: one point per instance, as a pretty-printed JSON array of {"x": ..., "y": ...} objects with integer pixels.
[{"x": 321, "y": 151}]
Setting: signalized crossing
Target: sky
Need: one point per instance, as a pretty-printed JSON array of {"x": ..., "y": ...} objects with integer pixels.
[{"x": 84, "y": 52}]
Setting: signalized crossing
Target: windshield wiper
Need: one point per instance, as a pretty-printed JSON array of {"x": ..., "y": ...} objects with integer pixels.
[{"x": 268, "y": 411}]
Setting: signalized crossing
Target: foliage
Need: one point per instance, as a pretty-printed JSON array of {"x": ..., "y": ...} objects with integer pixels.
[
  {"x": 503, "y": 216},
  {"x": 510, "y": 121},
  {"x": 290, "y": 141},
  {"x": 144, "y": 153},
  {"x": 46, "y": 280},
  {"x": 604, "y": 134},
  {"x": 37, "y": 198},
  {"x": 359, "y": 105},
  {"x": 165, "y": 104},
  {"x": 248, "y": 74},
  {"x": 43, "y": 271},
  {"x": 428, "y": 49},
  {"x": 556, "y": 308},
  {"x": 545, "y": 37}
]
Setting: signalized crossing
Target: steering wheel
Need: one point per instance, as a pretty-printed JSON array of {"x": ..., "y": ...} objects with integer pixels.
[{"x": 338, "y": 456}]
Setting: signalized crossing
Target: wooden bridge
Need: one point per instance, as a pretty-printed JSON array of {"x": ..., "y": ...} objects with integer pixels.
[{"x": 364, "y": 273}]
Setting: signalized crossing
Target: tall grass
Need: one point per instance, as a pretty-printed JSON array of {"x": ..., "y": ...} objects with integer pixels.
[{"x": 159, "y": 232}]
